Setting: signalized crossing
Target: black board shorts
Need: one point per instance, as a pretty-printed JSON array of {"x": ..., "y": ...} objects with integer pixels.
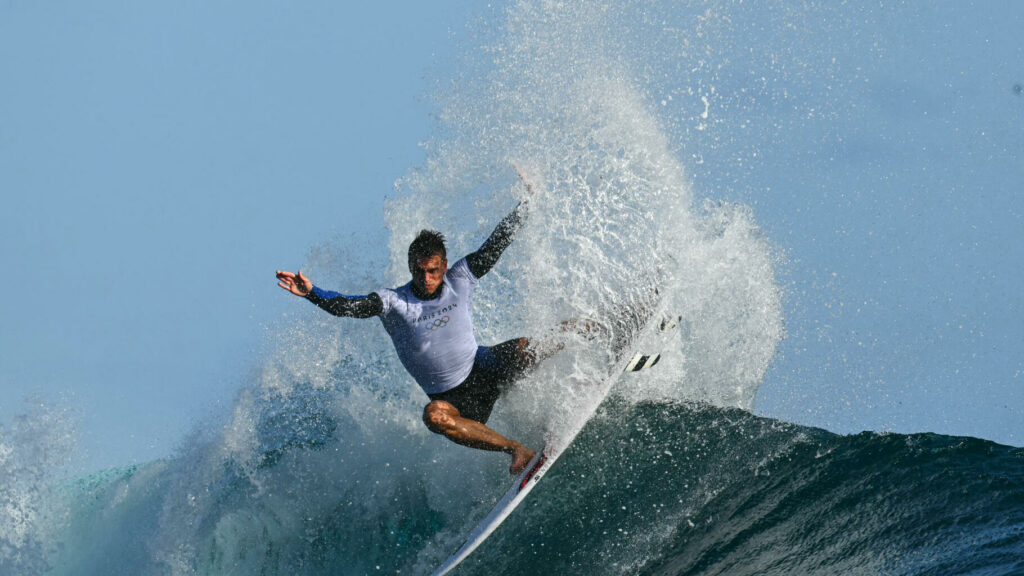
[{"x": 495, "y": 368}]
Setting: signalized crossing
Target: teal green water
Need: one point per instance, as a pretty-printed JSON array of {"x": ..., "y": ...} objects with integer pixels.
[{"x": 653, "y": 488}]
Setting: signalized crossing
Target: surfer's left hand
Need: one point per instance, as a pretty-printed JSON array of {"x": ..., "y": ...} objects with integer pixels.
[{"x": 529, "y": 186}]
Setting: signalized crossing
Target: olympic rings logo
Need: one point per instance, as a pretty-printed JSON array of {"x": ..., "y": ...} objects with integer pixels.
[{"x": 439, "y": 323}]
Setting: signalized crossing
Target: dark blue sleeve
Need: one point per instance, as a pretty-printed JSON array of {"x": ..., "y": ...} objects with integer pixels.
[
  {"x": 352, "y": 306},
  {"x": 481, "y": 261}
]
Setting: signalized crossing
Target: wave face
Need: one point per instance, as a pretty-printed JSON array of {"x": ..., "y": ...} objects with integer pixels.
[
  {"x": 648, "y": 488},
  {"x": 693, "y": 489},
  {"x": 324, "y": 467}
]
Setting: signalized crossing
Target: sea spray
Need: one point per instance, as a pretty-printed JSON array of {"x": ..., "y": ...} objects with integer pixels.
[
  {"x": 558, "y": 96},
  {"x": 34, "y": 448}
]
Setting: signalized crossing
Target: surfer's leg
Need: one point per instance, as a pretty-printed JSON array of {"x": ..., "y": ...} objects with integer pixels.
[
  {"x": 526, "y": 353},
  {"x": 443, "y": 418}
]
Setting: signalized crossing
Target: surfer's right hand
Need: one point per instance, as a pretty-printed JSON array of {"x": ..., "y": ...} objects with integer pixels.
[{"x": 296, "y": 283}]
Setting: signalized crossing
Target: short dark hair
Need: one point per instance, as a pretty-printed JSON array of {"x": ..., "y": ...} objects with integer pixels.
[{"x": 427, "y": 244}]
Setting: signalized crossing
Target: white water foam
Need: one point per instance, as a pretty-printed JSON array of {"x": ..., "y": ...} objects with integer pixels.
[{"x": 613, "y": 209}]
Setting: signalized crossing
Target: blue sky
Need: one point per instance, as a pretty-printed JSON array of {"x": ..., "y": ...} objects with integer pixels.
[
  {"x": 898, "y": 208},
  {"x": 158, "y": 161}
]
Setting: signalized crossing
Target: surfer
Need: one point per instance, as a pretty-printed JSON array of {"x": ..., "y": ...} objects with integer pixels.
[{"x": 431, "y": 326}]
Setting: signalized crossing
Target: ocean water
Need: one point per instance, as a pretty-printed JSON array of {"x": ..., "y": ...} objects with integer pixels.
[
  {"x": 648, "y": 488},
  {"x": 322, "y": 465}
]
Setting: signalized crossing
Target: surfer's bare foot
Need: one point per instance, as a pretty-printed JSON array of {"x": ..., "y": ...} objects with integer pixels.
[
  {"x": 585, "y": 327},
  {"x": 521, "y": 456}
]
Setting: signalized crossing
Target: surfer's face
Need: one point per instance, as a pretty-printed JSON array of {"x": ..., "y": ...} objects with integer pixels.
[{"x": 428, "y": 273}]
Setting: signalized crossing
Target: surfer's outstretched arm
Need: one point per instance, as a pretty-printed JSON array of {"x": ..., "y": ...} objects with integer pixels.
[
  {"x": 481, "y": 261},
  {"x": 352, "y": 306},
  {"x": 333, "y": 302}
]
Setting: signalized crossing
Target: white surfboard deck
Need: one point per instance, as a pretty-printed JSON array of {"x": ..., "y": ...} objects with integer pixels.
[{"x": 544, "y": 459}]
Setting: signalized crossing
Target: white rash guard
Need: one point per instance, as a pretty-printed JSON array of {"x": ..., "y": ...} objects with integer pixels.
[{"x": 434, "y": 338}]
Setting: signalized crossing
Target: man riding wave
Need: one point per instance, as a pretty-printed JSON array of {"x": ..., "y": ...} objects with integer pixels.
[{"x": 431, "y": 326}]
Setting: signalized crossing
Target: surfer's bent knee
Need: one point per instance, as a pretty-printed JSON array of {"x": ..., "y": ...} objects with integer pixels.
[{"x": 438, "y": 416}]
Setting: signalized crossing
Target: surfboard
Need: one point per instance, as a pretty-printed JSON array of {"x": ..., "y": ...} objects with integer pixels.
[
  {"x": 629, "y": 335},
  {"x": 643, "y": 361}
]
